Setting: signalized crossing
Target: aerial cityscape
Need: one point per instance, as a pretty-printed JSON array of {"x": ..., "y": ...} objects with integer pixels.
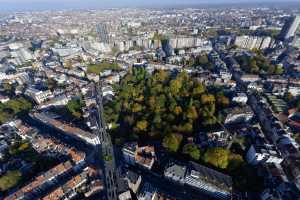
[{"x": 178, "y": 102}]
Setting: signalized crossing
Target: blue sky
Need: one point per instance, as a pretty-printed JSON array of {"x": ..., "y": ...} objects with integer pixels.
[{"x": 10, "y": 5}]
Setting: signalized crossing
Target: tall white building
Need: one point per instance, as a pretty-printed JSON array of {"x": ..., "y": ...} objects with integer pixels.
[
  {"x": 290, "y": 27},
  {"x": 252, "y": 42}
]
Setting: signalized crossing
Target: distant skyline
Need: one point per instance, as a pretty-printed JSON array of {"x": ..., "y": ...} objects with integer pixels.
[{"x": 25, "y": 5}]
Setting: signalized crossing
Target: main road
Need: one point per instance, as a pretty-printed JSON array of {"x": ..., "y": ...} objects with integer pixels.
[{"x": 104, "y": 151}]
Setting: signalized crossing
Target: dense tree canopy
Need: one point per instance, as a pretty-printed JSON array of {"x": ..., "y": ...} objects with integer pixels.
[
  {"x": 161, "y": 104},
  {"x": 200, "y": 60},
  {"x": 74, "y": 107},
  {"x": 13, "y": 108},
  {"x": 72, "y": 111},
  {"x": 258, "y": 64},
  {"x": 223, "y": 158}
]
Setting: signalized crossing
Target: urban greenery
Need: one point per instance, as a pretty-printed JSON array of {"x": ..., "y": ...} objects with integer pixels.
[
  {"x": 18, "y": 147},
  {"x": 13, "y": 108},
  {"x": 258, "y": 64},
  {"x": 97, "y": 68},
  {"x": 192, "y": 151},
  {"x": 172, "y": 142},
  {"x": 162, "y": 106},
  {"x": 7, "y": 89},
  {"x": 223, "y": 158},
  {"x": 73, "y": 109},
  {"x": 9, "y": 180},
  {"x": 217, "y": 157},
  {"x": 202, "y": 61}
]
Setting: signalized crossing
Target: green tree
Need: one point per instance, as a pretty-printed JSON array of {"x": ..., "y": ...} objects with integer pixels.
[
  {"x": 198, "y": 89},
  {"x": 74, "y": 107},
  {"x": 202, "y": 60},
  {"x": 278, "y": 69},
  {"x": 192, "y": 113},
  {"x": 177, "y": 110},
  {"x": 186, "y": 127},
  {"x": 271, "y": 69},
  {"x": 142, "y": 125},
  {"x": 217, "y": 157},
  {"x": 13, "y": 108},
  {"x": 161, "y": 76},
  {"x": 235, "y": 161},
  {"x": 191, "y": 150},
  {"x": 9, "y": 180},
  {"x": 174, "y": 104},
  {"x": 172, "y": 142},
  {"x": 157, "y": 119},
  {"x": 175, "y": 86},
  {"x": 137, "y": 108},
  {"x": 253, "y": 66}
]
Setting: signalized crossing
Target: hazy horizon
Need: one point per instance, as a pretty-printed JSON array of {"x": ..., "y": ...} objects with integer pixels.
[{"x": 28, "y": 5}]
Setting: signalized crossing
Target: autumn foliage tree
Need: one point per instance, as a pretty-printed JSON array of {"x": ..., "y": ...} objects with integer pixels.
[{"x": 161, "y": 104}]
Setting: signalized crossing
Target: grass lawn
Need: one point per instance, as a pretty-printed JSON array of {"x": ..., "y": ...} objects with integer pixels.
[
  {"x": 12, "y": 108},
  {"x": 97, "y": 68},
  {"x": 9, "y": 180}
]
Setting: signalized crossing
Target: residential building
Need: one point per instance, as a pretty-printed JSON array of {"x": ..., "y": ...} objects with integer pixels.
[
  {"x": 38, "y": 96},
  {"x": 141, "y": 156},
  {"x": 129, "y": 153},
  {"x": 134, "y": 181},
  {"x": 39, "y": 181},
  {"x": 125, "y": 196},
  {"x": 278, "y": 185},
  {"x": 209, "y": 181},
  {"x": 250, "y": 78},
  {"x": 238, "y": 115},
  {"x": 175, "y": 172},
  {"x": 68, "y": 130},
  {"x": 148, "y": 192},
  {"x": 294, "y": 90},
  {"x": 240, "y": 98},
  {"x": 69, "y": 189}
]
